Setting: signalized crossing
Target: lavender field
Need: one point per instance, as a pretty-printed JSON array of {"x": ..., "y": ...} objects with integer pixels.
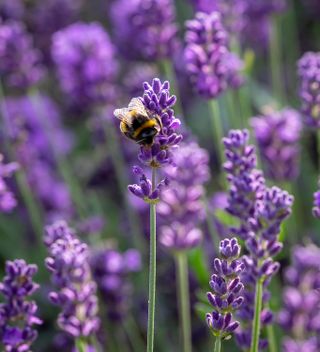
[{"x": 160, "y": 175}]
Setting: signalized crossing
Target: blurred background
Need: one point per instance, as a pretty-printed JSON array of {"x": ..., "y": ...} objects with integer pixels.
[{"x": 65, "y": 65}]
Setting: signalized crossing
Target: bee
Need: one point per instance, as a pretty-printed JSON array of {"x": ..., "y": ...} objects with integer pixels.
[{"x": 138, "y": 123}]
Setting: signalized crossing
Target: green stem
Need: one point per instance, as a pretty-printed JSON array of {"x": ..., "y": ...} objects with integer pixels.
[
  {"x": 271, "y": 339},
  {"x": 81, "y": 346},
  {"x": 234, "y": 118},
  {"x": 30, "y": 202},
  {"x": 275, "y": 61},
  {"x": 256, "y": 320},
  {"x": 152, "y": 270},
  {"x": 133, "y": 334},
  {"x": 182, "y": 278},
  {"x": 217, "y": 344},
  {"x": 217, "y": 129},
  {"x": 118, "y": 162}
]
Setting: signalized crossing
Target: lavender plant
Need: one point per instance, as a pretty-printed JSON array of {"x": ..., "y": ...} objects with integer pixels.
[
  {"x": 261, "y": 211},
  {"x": 18, "y": 315},
  {"x": 157, "y": 102},
  {"x": 227, "y": 288},
  {"x": 76, "y": 295},
  {"x": 7, "y": 198}
]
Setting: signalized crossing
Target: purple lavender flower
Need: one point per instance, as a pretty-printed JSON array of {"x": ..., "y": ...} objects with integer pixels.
[
  {"x": 181, "y": 206},
  {"x": 111, "y": 270},
  {"x": 309, "y": 75},
  {"x": 226, "y": 289},
  {"x": 76, "y": 291},
  {"x": 7, "y": 198},
  {"x": 300, "y": 316},
  {"x": 247, "y": 184},
  {"x": 29, "y": 121},
  {"x": 316, "y": 204},
  {"x": 278, "y": 135},
  {"x": 144, "y": 29},
  {"x": 211, "y": 66},
  {"x": 19, "y": 60},
  {"x": 260, "y": 211},
  {"x": 84, "y": 57},
  {"x": 157, "y": 100},
  {"x": 18, "y": 314}
]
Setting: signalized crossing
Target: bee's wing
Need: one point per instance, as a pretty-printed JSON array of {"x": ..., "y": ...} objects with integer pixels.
[
  {"x": 137, "y": 105},
  {"x": 121, "y": 114}
]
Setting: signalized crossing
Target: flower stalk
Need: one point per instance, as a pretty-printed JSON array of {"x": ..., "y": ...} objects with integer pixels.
[
  {"x": 217, "y": 344},
  {"x": 256, "y": 320},
  {"x": 181, "y": 261}
]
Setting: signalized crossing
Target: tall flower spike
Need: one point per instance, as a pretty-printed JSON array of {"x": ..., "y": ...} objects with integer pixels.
[
  {"x": 7, "y": 198},
  {"x": 76, "y": 291},
  {"x": 19, "y": 60},
  {"x": 309, "y": 75},
  {"x": 226, "y": 288},
  {"x": 299, "y": 316},
  {"x": 278, "y": 136},
  {"x": 211, "y": 66},
  {"x": 18, "y": 314},
  {"x": 144, "y": 29},
  {"x": 86, "y": 68},
  {"x": 181, "y": 207}
]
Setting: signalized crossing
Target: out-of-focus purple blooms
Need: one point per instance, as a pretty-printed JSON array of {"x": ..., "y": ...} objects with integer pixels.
[
  {"x": 247, "y": 184},
  {"x": 232, "y": 12},
  {"x": 216, "y": 206},
  {"x": 316, "y": 204},
  {"x": 278, "y": 136},
  {"x": 211, "y": 66},
  {"x": 226, "y": 288},
  {"x": 11, "y": 10},
  {"x": 92, "y": 225},
  {"x": 300, "y": 316},
  {"x": 181, "y": 206},
  {"x": 7, "y": 198},
  {"x": 144, "y": 189},
  {"x": 136, "y": 76},
  {"x": 111, "y": 270},
  {"x": 86, "y": 67},
  {"x": 35, "y": 129},
  {"x": 19, "y": 61},
  {"x": 309, "y": 75},
  {"x": 18, "y": 314},
  {"x": 144, "y": 29},
  {"x": 76, "y": 291},
  {"x": 49, "y": 16}
]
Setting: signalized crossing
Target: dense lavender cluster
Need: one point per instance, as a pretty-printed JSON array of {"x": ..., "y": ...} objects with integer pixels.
[
  {"x": 226, "y": 296},
  {"x": 278, "y": 135},
  {"x": 181, "y": 207},
  {"x": 309, "y": 75},
  {"x": 211, "y": 66},
  {"x": 86, "y": 67},
  {"x": 19, "y": 61},
  {"x": 144, "y": 29},
  {"x": 34, "y": 127},
  {"x": 7, "y": 198},
  {"x": 18, "y": 314},
  {"x": 301, "y": 299},
  {"x": 111, "y": 270},
  {"x": 11, "y": 10},
  {"x": 261, "y": 211},
  {"x": 157, "y": 100},
  {"x": 69, "y": 266}
]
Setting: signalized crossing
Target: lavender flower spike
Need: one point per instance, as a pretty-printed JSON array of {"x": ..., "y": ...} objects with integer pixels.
[
  {"x": 18, "y": 314},
  {"x": 7, "y": 199},
  {"x": 309, "y": 74},
  {"x": 226, "y": 289},
  {"x": 76, "y": 294},
  {"x": 208, "y": 61},
  {"x": 316, "y": 203},
  {"x": 278, "y": 135}
]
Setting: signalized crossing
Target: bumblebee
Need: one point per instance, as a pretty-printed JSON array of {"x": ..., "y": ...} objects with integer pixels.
[{"x": 138, "y": 123}]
